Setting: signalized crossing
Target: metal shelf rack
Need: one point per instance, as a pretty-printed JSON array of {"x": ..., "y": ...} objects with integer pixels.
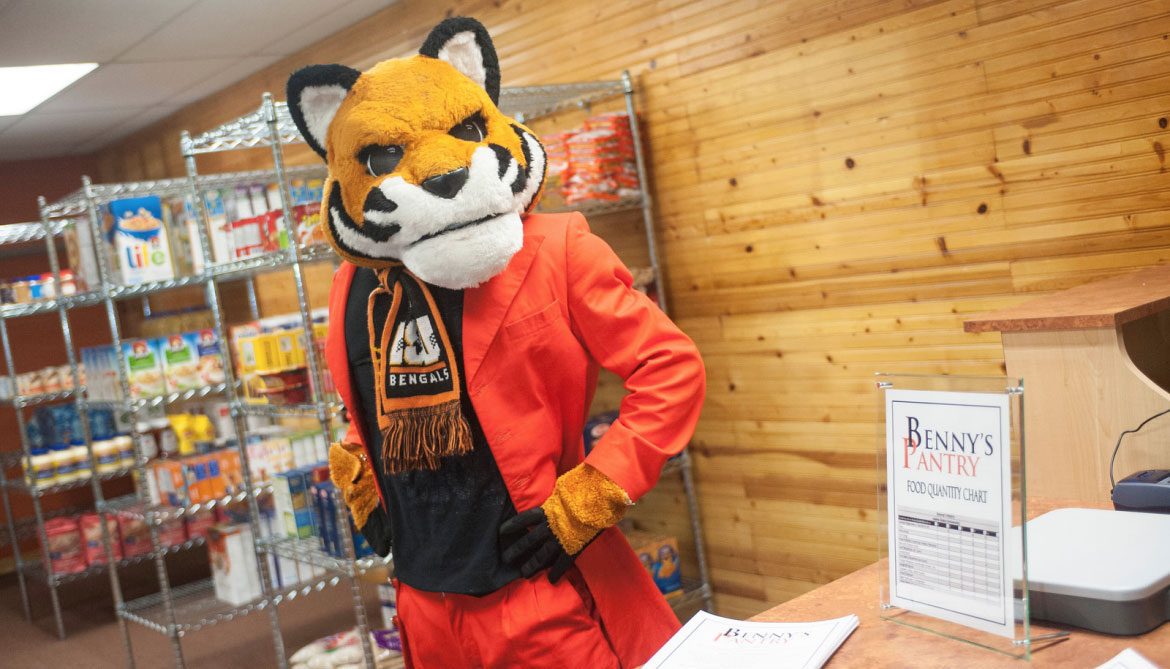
[
  {"x": 48, "y": 232},
  {"x": 529, "y": 103},
  {"x": 267, "y": 127},
  {"x": 84, "y": 204}
]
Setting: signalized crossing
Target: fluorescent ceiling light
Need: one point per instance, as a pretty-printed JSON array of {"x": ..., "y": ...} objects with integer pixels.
[{"x": 22, "y": 88}]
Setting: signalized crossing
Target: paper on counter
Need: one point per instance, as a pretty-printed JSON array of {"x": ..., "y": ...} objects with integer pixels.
[{"x": 709, "y": 642}]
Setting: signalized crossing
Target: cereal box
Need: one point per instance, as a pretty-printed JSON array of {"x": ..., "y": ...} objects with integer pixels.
[
  {"x": 180, "y": 357},
  {"x": 144, "y": 369},
  {"x": 210, "y": 358},
  {"x": 144, "y": 252}
]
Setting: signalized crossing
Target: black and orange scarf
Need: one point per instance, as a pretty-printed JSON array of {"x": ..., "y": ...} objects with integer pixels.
[{"x": 415, "y": 377}]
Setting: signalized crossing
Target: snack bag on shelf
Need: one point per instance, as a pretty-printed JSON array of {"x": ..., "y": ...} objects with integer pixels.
[
  {"x": 659, "y": 555},
  {"x": 91, "y": 532},
  {"x": 66, "y": 554}
]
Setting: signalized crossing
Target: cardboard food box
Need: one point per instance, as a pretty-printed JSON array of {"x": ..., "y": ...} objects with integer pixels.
[
  {"x": 144, "y": 369},
  {"x": 180, "y": 357},
  {"x": 233, "y": 564},
  {"x": 140, "y": 237},
  {"x": 659, "y": 555}
]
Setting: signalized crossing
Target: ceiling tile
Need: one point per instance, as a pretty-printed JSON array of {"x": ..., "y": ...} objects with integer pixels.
[
  {"x": 51, "y": 133},
  {"x": 129, "y": 126},
  {"x": 45, "y": 32},
  {"x": 223, "y": 77},
  {"x": 229, "y": 28},
  {"x": 340, "y": 17},
  {"x": 133, "y": 84}
]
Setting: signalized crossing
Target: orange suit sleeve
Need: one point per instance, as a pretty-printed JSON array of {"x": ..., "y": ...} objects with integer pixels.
[{"x": 629, "y": 335}]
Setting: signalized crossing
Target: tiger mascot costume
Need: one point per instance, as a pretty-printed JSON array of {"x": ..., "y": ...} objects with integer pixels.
[{"x": 465, "y": 343}]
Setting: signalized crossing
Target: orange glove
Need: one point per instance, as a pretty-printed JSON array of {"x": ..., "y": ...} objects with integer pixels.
[{"x": 353, "y": 475}]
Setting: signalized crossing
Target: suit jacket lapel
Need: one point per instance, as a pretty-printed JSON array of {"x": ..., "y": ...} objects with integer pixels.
[{"x": 484, "y": 307}]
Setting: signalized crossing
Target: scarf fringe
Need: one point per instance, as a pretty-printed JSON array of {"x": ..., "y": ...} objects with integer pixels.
[{"x": 419, "y": 437}]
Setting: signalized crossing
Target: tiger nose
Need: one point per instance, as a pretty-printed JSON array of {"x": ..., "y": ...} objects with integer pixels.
[{"x": 446, "y": 185}]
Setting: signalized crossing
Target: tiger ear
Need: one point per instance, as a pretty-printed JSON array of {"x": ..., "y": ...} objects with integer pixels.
[
  {"x": 466, "y": 45},
  {"x": 314, "y": 95}
]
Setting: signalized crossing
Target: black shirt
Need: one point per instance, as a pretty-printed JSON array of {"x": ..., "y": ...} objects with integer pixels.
[{"x": 443, "y": 523}]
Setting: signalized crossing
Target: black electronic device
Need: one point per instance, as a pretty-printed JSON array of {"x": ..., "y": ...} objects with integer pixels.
[{"x": 1147, "y": 490}]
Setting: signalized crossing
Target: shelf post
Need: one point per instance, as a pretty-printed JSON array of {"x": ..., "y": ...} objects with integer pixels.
[
  {"x": 160, "y": 565},
  {"x": 80, "y": 403},
  {"x": 199, "y": 204},
  {"x": 3, "y": 475},
  {"x": 315, "y": 367}
]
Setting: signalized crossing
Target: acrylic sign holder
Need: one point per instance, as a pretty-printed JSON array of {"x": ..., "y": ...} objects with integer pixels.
[{"x": 941, "y": 554}]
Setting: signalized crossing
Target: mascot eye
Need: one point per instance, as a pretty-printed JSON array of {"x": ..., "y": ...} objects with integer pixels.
[
  {"x": 380, "y": 160},
  {"x": 471, "y": 129}
]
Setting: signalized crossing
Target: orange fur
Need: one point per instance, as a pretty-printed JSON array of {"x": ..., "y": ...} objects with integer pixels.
[
  {"x": 411, "y": 102},
  {"x": 583, "y": 503},
  {"x": 353, "y": 475}
]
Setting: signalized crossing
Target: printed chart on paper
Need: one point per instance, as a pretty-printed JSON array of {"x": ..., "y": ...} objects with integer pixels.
[{"x": 949, "y": 500}]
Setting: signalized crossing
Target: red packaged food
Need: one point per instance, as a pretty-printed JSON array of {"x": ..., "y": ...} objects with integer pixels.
[
  {"x": 135, "y": 535},
  {"x": 65, "y": 551},
  {"x": 91, "y": 533}
]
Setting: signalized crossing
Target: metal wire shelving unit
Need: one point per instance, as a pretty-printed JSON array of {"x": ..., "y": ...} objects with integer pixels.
[
  {"x": 533, "y": 102},
  {"x": 175, "y": 611},
  {"x": 48, "y": 232},
  {"x": 266, "y": 127}
]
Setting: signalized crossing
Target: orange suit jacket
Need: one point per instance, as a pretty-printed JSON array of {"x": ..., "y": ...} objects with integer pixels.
[{"x": 533, "y": 337}]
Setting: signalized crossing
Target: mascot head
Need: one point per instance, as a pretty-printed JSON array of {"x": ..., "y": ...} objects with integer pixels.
[{"x": 424, "y": 169}]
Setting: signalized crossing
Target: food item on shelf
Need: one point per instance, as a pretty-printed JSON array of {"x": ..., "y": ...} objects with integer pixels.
[
  {"x": 81, "y": 465},
  {"x": 106, "y": 453},
  {"x": 44, "y": 471},
  {"x": 140, "y": 237},
  {"x": 210, "y": 358},
  {"x": 233, "y": 564},
  {"x": 144, "y": 369},
  {"x": 659, "y": 555},
  {"x": 291, "y": 387},
  {"x": 172, "y": 532},
  {"x": 51, "y": 380},
  {"x": 135, "y": 535},
  {"x": 199, "y": 523},
  {"x": 294, "y": 512},
  {"x": 79, "y": 249},
  {"x": 180, "y": 358},
  {"x": 125, "y": 445},
  {"x": 219, "y": 230},
  {"x": 64, "y": 463},
  {"x": 91, "y": 531},
  {"x": 65, "y": 548}
]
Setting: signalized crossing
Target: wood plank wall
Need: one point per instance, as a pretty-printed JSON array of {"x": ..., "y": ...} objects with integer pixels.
[{"x": 839, "y": 184}]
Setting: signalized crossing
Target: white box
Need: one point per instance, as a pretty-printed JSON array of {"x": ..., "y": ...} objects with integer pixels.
[{"x": 233, "y": 564}]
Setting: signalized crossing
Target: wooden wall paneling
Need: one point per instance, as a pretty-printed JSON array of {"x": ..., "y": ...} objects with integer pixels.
[{"x": 838, "y": 185}]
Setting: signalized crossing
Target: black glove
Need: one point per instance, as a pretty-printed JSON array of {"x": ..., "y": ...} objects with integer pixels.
[
  {"x": 530, "y": 545},
  {"x": 377, "y": 531}
]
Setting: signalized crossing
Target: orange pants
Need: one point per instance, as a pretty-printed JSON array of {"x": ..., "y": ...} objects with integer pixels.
[{"x": 527, "y": 623}]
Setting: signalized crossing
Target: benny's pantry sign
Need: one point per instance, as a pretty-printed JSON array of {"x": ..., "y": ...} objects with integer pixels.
[{"x": 949, "y": 499}]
